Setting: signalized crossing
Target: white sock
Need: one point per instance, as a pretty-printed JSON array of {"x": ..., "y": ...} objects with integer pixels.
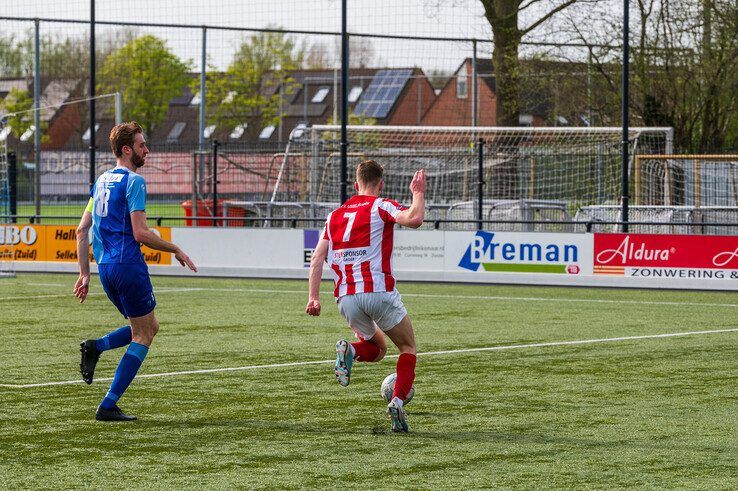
[
  {"x": 352, "y": 351},
  {"x": 397, "y": 401}
]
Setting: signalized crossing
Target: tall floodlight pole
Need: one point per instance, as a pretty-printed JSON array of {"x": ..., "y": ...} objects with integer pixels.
[
  {"x": 626, "y": 77},
  {"x": 92, "y": 94},
  {"x": 344, "y": 102},
  {"x": 203, "y": 68},
  {"x": 200, "y": 182},
  {"x": 37, "y": 118}
]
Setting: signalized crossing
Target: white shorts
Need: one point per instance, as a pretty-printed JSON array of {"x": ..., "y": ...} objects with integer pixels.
[{"x": 367, "y": 311}]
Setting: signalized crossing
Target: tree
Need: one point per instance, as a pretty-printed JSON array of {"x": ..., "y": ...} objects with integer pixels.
[
  {"x": 250, "y": 91},
  {"x": 502, "y": 16},
  {"x": 361, "y": 54},
  {"x": 318, "y": 57},
  {"x": 682, "y": 71},
  {"x": 438, "y": 78},
  {"x": 19, "y": 104},
  {"x": 11, "y": 57},
  {"x": 148, "y": 75}
]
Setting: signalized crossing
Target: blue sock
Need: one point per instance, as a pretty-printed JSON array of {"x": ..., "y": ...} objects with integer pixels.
[
  {"x": 127, "y": 368},
  {"x": 116, "y": 339}
]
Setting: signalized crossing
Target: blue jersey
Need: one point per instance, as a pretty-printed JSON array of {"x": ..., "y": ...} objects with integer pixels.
[{"x": 116, "y": 194}]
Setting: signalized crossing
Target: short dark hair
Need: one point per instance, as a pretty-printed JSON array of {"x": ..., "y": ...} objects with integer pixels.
[
  {"x": 122, "y": 135},
  {"x": 369, "y": 172}
]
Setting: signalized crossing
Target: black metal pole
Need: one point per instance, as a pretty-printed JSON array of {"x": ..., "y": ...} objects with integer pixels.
[
  {"x": 92, "y": 94},
  {"x": 480, "y": 183},
  {"x": 12, "y": 185},
  {"x": 344, "y": 102},
  {"x": 215, "y": 181},
  {"x": 474, "y": 84},
  {"x": 626, "y": 79}
]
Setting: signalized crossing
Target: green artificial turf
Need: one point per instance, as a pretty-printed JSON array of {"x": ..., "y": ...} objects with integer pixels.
[{"x": 650, "y": 412}]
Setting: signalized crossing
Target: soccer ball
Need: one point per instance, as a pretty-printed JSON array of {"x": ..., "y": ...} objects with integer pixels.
[{"x": 388, "y": 387}]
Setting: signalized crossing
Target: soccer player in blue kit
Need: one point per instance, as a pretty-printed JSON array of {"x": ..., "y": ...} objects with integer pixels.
[{"x": 116, "y": 213}]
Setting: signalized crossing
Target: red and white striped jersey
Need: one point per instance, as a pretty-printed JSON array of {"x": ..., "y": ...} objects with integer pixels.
[{"x": 360, "y": 235}]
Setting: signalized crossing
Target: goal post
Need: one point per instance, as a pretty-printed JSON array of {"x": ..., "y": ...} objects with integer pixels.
[
  {"x": 53, "y": 179},
  {"x": 686, "y": 180},
  {"x": 528, "y": 173},
  {"x": 7, "y": 250}
]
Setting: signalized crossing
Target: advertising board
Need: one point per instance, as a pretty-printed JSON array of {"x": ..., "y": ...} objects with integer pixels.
[{"x": 666, "y": 256}]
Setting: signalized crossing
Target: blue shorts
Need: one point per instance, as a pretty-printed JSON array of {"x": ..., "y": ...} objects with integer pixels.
[{"x": 128, "y": 286}]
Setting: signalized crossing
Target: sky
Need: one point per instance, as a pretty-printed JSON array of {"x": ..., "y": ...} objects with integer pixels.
[
  {"x": 457, "y": 18},
  {"x": 435, "y": 18}
]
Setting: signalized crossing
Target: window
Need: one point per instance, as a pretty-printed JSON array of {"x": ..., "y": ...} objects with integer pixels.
[
  {"x": 320, "y": 95},
  {"x": 177, "y": 130},
  {"x": 86, "y": 136},
  {"x": 525, "y": 120},
  {"x": 562, "y": 121},
  {"x": 208, "y": 131},
  {"x": 266, "y": 132},
  {"x": 461, "y": 86},
  {"x": 355, "y": 93},
  {"x": 229, "y": 97},
  {"x": 298, "y": 131},
  {"x": 27, "y": 134},
  {"x": 238, "y": 131},
  {"x": 195, "y": 100},
  {"x": 4, "y": 133}
]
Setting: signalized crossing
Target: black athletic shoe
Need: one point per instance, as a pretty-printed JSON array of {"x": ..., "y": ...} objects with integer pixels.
[
  {"x": 90, "y": 355},
  {"x": 114, "y": 414}
]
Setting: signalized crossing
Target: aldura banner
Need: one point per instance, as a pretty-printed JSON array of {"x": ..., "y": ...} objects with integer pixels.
[
  {"x": 666, "y": 256},
  {"x": 58, "y": 243}
]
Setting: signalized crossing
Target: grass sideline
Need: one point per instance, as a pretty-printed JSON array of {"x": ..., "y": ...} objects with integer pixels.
[
  {"x": 646, "y": 413},
  {"x": 74, "y": 212}
]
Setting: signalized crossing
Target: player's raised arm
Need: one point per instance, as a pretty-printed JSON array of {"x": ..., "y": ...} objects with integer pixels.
[
  {"x": 413, "y": 217},
  {"x": 82, "y": 286},
  {"x": 143, "y": 234},
  {"x": 316, "y": 273}
]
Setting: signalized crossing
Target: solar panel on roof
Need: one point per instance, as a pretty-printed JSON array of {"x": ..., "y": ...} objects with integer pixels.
[{"x": 378, "y": 99}]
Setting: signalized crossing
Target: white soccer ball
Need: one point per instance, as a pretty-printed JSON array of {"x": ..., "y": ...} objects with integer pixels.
[{"x": 388, "y": 387}]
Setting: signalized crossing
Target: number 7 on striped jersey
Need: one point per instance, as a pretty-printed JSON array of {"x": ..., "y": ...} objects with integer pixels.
[{"x": 347, "y": 233}]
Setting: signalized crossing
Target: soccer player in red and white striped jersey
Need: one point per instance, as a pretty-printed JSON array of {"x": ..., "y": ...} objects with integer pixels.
[{"x": 357, "y": 244}]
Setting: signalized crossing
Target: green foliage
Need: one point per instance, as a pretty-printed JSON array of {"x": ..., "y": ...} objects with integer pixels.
[
  {"x": 639, "y": 413},
  {"x": 249, "y": 90},
  {"x": 148, "y": 75},
  {"x": 11, "y": 57},
  {"x": 20, "y": 102},
  {"x": 366, "y": 140},
  {"x": 354, "y": 120}
]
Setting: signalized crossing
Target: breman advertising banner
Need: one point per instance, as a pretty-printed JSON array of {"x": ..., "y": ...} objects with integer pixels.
[
  {"x": 58, "y": 243},
  {"x": 519, "y": 252},
  {"x": 666, "y": 256}
]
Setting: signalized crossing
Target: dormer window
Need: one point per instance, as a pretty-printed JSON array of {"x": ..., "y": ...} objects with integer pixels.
[
  {"x": 87, "y": 134},
  {"x": 266, "y": 132},
  {"x": 176, "y": 131},
  {"x": 238, "y": 131},
  {"x": 320, "y": 95}
]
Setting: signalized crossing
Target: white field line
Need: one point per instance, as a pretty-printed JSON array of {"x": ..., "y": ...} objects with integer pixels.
[
  {"x": 91, "y": 294},
  {"x": 417, "y": 295},
  {"x": 428, "y": 353}
]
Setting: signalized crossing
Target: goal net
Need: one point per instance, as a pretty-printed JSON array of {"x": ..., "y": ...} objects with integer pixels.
[
  {"x": 695, "y": 189},
  {"x": 54, "y": 181},
  {"x": 52, "y": 163},
  {"x": 528, "y": 173}
]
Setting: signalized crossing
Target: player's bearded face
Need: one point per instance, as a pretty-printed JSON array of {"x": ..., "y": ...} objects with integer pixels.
[{"x": 137, "y": 159}]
